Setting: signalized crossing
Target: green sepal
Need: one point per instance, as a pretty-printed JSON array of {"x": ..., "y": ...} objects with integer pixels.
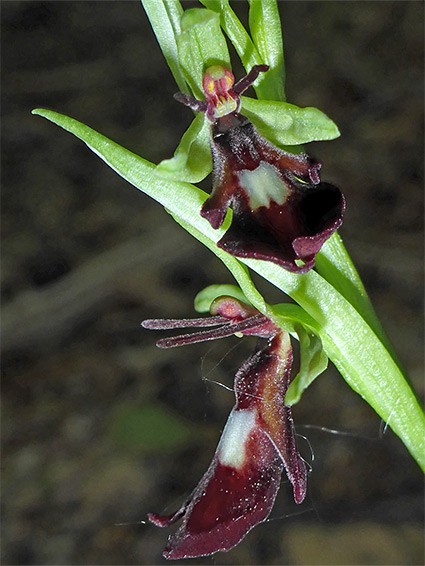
[
  {"x": 286, "y": 124},
  {"x": 200, "y": 44},
  {"x": 313, "y": 362},
  {"x": 192, "y": 159},
  {"x": 241, "y": 41}
]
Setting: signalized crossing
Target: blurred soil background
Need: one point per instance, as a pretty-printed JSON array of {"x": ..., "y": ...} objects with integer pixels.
[{"x": 99, "y": 427}]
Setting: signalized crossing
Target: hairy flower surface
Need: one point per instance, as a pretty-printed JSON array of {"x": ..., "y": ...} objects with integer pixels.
[
  {"x": 282, "y": 212},
  {"x": 258, "y": 442}
]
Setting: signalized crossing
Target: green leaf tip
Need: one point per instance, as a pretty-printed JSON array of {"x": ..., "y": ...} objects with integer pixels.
[
  {"x": 266, "y": 31},
  {"x": 165, "y": 17}
]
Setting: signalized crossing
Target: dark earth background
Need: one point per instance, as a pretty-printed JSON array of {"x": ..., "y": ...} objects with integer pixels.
[{"x": 100, "y": 427}]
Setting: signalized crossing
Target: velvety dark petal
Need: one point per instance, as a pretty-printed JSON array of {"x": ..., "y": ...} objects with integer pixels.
[
  {"x": 262, "y": 234},
  {"x": 320, "y": 215},
  {"x": 235, "y": 494}
]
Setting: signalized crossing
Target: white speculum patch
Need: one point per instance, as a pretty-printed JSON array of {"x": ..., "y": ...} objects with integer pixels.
[
  {"x": 263, "y": 185},
  {"x": 231, "y": 448}
]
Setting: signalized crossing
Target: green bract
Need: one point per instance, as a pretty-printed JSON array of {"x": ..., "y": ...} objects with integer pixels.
[
  {"x": 313, "y": 361},
  {"x": 332, "y": 308}
]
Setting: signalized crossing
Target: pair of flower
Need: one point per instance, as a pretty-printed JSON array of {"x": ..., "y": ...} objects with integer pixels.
[{"x": 282, "y": 213}]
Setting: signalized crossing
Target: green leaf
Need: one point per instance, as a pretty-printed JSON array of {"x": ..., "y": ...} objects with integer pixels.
[
  {"x": 164, "y": 17},
  {"x": 192, "y": 159},
  {"x": 204, "y": 298},
  {"x": 313, "y": 361},
  {"x": 136, "y": 170},
  {"x": 286, "y": 124},
  {"x": 335, "y": 265},
  {"x": 349, "y": 341},
  {"x": 200, "y": 45},
  {"x": 148, "y": 428},
  {"x": 265, "y": 28}
]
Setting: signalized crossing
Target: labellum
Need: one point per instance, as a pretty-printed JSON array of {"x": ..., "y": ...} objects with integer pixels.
[
  {"x": 258, "y": 442},
  {"x": 282, "y": 212}
]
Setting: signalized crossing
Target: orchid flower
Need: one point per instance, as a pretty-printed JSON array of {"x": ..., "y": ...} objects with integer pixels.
[
  {"x": 281, "y": 211},
  {"x": 258, "y": 442}
]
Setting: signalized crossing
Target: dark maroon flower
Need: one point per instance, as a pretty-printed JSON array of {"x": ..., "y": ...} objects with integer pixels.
[
  {"x": 258, "y": 442},
  {"x": 281, "y": 211}
]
